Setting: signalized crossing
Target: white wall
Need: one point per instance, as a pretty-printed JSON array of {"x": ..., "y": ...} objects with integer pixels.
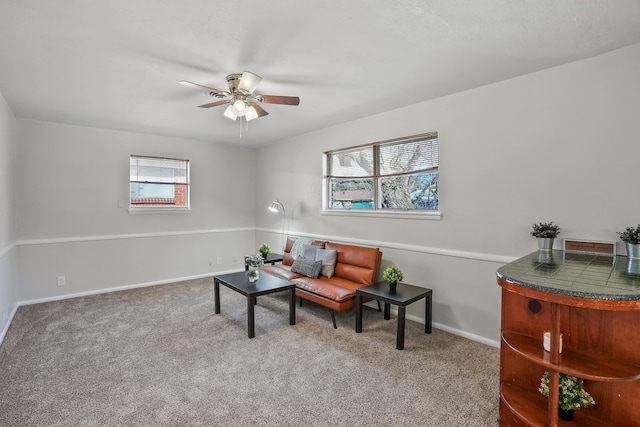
[
  {"x": 559, "y": 145},
  {"x": 73, "y": 189},
  {"x": 8, "y": 251}
]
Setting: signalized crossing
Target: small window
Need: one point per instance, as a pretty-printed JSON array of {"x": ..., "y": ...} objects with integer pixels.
[
  {"x": 158, "y": 183},
  {"x": 397, "y": 175}
]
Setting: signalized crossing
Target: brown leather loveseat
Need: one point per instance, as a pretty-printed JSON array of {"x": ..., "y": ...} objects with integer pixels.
[{"x": 335, "y": 287}]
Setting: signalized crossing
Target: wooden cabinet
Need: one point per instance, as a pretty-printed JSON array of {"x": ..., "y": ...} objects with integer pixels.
[{"x": 598, "y": 316}]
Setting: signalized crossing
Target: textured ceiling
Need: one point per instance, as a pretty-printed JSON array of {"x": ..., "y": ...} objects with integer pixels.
[{"x": 116, "y": 64}]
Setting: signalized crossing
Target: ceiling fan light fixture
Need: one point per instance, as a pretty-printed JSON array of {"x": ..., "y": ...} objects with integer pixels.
[
  {"x": 230, "y": 113},
  {"x": 239, "y": 105},
  {"x": 251, "y": 113},
  {"x": 249, "y": 81}
]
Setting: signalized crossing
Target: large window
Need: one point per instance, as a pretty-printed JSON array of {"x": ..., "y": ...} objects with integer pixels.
[
  {"x": 397, "y": 175},
  {"x": 158, "y": 183}
]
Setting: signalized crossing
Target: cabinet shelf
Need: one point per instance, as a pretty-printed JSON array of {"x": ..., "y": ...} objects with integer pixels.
[
  {"x": 585, "y": 366},
  {"x": 532, "y": 409}
]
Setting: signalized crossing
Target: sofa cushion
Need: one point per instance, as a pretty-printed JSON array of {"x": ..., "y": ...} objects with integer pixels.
[
  {"x": 328, "y": 258},
  {"x": 307, "y": 267},
  {"x": 334, "y": 289},
  {"x": 280, "y": 270},
  {"x": 361, "y": 256},
  {"x": 309, "y": 252}
]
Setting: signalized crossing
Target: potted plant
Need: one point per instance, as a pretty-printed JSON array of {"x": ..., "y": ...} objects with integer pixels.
[
  {"x": 545, "y": 232},
  {"x": 264, "y": 250},
  {"x": 631, "y": 237},
  {"x": 392, "y": 275},
  {"x": 253, "y": 263},
  {"x": 252, "y": 275},
  {"x": 571, "y": 394}
]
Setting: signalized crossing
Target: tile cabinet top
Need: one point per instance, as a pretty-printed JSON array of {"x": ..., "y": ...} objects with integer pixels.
[{"x": 580, "y": 275}]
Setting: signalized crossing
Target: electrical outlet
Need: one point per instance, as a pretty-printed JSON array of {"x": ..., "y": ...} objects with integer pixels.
[
  {"x": 219, "y": 260},
  {"x": 61, "y": 280}
]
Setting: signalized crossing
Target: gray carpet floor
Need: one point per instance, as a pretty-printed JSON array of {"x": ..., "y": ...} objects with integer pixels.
[{"x": 159, "y": 356}]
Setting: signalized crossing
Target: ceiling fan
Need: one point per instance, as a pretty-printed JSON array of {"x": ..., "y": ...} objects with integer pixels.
[{"x": 241, "y": 99}]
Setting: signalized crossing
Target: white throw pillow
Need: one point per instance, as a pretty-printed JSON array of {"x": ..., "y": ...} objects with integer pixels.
[{"x": 328, "y": 258}]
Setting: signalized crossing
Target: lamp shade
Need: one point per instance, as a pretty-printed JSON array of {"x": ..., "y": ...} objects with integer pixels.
[
  {"x": 250, "y": 113},
  {"x": 239, "y": 105},
  {"x": 275, "y": 206},
  {"x": 249, "y": 82},
  {"x": 230, "y": 113}
]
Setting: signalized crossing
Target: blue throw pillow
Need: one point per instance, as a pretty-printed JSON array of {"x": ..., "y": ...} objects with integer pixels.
[
  {"x": 309, "y": 252},
  {"x": 307, "y": 267}
]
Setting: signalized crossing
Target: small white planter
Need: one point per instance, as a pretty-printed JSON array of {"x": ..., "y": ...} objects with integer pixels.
[{"x": 253, "y": 274}]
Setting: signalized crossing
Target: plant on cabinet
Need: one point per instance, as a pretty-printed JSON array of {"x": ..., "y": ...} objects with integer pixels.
[
  {"x": 631, "y": 237},
  {"x": 545, "y": 232},
  {"x": 571, "y": 396}
]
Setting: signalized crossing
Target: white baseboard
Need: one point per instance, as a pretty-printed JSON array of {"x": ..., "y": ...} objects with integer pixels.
[
  {"x": 9, "y": 320},
  {"x": 463, "y": 334},
  {"x": 123, "y": 288},
  {"x": 454, "y": 331}
]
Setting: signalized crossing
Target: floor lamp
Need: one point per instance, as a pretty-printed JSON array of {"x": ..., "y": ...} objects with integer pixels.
[{"x": 275, "y": 206}]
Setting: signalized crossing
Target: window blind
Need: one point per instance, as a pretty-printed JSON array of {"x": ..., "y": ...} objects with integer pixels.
[
  {"x": 417, "y": 154},
  {"x": 151, "y": 170}
]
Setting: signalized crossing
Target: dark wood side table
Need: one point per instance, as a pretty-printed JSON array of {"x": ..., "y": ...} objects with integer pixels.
[
  {"x": 271, "y": 259},
  {"x": 401, "y": 296}
]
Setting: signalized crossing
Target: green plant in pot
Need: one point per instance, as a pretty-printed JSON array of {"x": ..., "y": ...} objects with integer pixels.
[
  {"x": 252, "y": 275},
  {"x": 631, "y": 237},
  {"x": 571, "y": 394},
  {"x": 392, "y": 275},
  {"x": 264, "y": 250},
  {"x": 545, "y": 232},
  {"x": 253, "y": 263}
]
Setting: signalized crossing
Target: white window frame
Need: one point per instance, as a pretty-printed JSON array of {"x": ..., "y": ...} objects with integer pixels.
[
  {"x": 376, "y": 176},
  {"x": 161, "y": 209}
]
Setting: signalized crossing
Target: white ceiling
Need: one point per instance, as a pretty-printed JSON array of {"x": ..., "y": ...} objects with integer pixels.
[{"x": 116, "y": 64}]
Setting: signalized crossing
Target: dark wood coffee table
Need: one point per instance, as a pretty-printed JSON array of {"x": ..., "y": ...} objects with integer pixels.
[
  {"x": 402, "y": 296},
  {"x": 266, "y": 284}
]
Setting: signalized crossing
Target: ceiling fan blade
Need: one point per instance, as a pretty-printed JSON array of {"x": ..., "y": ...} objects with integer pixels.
[
  {"x": 209, "y": 89},
  {"x": 249, "y": 81},
  {"x": 274, "y": 99},
  {"x": 261, "y": 111},
  {"x": 213, "y": 104}
]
